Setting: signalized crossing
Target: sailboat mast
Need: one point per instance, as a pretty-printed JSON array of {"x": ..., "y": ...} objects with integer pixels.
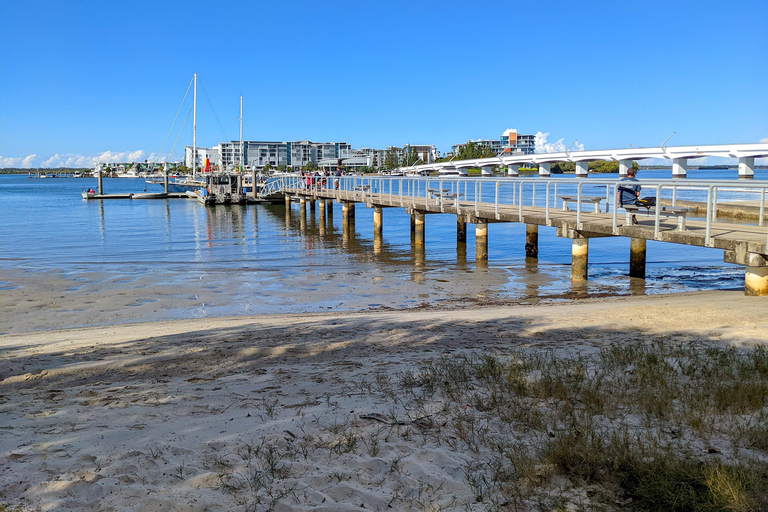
[
  {"x": 242, "y": 156},
  {"x": 194, "y": 129}
]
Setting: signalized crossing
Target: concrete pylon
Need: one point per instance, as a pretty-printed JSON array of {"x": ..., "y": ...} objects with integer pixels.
[
  {"x": 579, "y": 259},
  {"x": 378, "y": 220},
  {"x": 746, "y": 168},
  {"x": 531, "y": 241},
  {"x": 417, "y": 219},
  {"x": 481, "y": 241},
  {"x": 461, "y": 230},
  {"x": 637, "y": 249},
  {"x": 679, "y": 167},
  {"x": 756, "y": 281}
]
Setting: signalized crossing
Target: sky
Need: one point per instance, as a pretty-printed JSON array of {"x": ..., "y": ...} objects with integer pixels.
[{"x": 89, "y": 81}]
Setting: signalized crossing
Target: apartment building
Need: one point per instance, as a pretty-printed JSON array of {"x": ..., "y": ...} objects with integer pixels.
[
  {"x": 510, "y": 142},
  {"x": 258, "y": 154}
]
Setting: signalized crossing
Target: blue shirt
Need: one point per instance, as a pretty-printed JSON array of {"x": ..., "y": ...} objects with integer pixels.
[{"x": 630, "y": 192}]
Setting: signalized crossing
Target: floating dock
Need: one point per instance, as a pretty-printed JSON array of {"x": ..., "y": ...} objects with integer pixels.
[{"x": 138, "y": 195}]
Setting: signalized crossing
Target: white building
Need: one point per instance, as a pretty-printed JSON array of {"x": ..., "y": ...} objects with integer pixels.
[
  {"x": 212, "y": 154},
  {"x": 258, "y": 154}
]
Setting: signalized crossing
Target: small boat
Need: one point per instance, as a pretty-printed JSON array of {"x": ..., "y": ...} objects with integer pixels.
[
  {"x": 452, "y": 172},
  {"x": 177, "y": 185},
  {"x": 88, "y": 195},
  {"x": 150, "y": 195}
]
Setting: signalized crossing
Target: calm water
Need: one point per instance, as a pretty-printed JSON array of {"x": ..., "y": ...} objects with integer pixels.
[{"x": 46, "y": 226}]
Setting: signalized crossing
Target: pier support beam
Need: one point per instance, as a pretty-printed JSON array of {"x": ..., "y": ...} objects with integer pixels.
[
  {"x": 287, "y": 201},
  {"x": 303, "y": 207},
  {"x": 582, "y": 169},
  {"x": 486, "y": 170},
  {"x": 461, "y": 230},
  {"x": 679, "y": 167},
  {"x": 481, "y": 241},
  {"x": 101, "y": 182},
  {"x": 579, "y": 259},
  {"x": 417, "y": 223},
  {"x": 378, "y": 220},
  {"x": 746, "y": 168},
  {"x": 513, "y": 170},
  {"x": 254, "y": 182},
  {"x": 312, "y": 206},
  {"x": 531, "y": 241},
  {"x": 624, "y": 166},
  {"x": 545, "y": 170},
  {"x": 637, "y": 257}
]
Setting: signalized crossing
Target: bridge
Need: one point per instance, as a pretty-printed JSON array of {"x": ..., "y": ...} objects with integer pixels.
[
  {"x": 578, "y": 209},
  {"x": 677, "y": 156}
]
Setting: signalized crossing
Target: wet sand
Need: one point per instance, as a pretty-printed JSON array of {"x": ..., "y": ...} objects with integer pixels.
[{"x": 44, "y": 300}]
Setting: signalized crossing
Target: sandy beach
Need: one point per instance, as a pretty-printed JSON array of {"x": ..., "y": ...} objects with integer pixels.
[{"x": 173, "y": 415}]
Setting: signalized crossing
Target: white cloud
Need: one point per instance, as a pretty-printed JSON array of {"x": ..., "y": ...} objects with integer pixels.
[
  {"x": 83, "y": 161},
  {"x": 764, "y": 141},
  {"x": 9, "y": 161},
  {"x": 19, "y": 162},
  {"x": 542, "y": 146}
]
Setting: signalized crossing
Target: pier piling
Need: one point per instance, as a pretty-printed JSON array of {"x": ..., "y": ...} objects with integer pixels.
[
  {"x": 417, "y": 223},
  {"x": 461, "y": 230},
  {"x": 321, "y": 216},
  {"x": 378, "y": 220},
  {"x": 347, "y": 212},
  {"x": 756, "y": 275},
  {"x": 531, "y": 241},
  {"x": 580, "y": 259},
  {"x": 637, "y": 248},
  {"x": 481, "y": 241},
  {"x": 756, "y": 281}
]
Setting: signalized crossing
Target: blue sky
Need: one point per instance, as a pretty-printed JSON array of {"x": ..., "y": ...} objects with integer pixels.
[{"x": 82, "y": 81}]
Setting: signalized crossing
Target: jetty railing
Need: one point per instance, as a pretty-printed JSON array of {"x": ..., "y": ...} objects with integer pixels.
[{"x": 467, "y": 192}]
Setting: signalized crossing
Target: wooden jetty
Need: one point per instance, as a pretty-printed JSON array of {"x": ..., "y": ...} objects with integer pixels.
[{"x": 563, "y": 204}]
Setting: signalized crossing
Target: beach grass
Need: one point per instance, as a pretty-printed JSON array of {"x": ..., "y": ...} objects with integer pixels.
[
  {"x": 648, "y": 426},
  {"x": 639, "y": 426}
]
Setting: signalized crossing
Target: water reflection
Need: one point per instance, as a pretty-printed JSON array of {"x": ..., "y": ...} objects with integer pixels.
[
  {"x": 637, "y": 286},
  {"x": 531, "y": 276},
  {"x": 461, "y": 255}
]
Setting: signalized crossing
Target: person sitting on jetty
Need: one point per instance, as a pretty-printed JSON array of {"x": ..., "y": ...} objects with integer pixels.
[{"x": 630, "y": 194}]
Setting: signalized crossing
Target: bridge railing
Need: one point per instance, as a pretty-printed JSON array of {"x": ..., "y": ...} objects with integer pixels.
[{"x": 540, "y": 192}]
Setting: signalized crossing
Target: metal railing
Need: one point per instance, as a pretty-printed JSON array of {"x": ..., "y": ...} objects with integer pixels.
[{"x": 466, "y": 193}]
